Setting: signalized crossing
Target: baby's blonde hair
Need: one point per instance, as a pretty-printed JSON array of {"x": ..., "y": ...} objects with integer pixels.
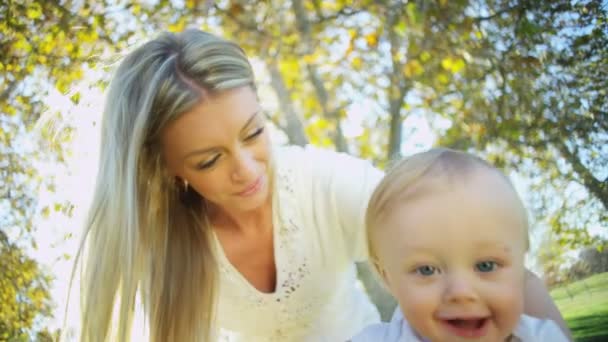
[{"x": 402, "y": 180}]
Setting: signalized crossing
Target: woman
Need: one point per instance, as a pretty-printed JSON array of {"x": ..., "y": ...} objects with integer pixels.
[{"x": 217, "y": 230}]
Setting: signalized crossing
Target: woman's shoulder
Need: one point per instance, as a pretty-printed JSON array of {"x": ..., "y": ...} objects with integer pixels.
[
  {"x": 296, "y": 152},
  {"x": 313, "y": 158}
]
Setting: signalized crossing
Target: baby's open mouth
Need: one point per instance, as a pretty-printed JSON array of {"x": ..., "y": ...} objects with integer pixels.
[{"x": 470, "y": 327}]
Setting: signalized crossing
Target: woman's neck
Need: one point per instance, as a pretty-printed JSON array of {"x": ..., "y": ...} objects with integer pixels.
[{"x": 243, "y": 222}]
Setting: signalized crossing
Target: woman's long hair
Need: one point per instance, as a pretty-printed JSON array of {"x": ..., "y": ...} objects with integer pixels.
[{"x": 144, "y": 232}]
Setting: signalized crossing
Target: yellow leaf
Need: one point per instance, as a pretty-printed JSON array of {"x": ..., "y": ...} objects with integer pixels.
[
  {"x": 88, "y": 36},
  {"x": 357, "y": 63},
  {"x": 458, "y": 65},
  {"x": 69, "y": 47},
  {"x": 23, "y": 45},
  {"x": 177, "y": 27},
  {"x": 413, "y": 68},
  {"x": 352, "y": 33},
  {"x": 349, "y": 50},
  {"x": 46, "y": 47},
  {"x": 75, "y": 98},
  {"x": 452, "y": 64},
  {"x": 446, "y": 63},
  {"x": 310, "y": 58},
  {"x": 425, "y": 56},
  {"x": 62, "y": 86},
  {"x": 46, "y": 211},
  {"x": 443, "y": 79},
  {"x": 34, "y": 11},
  {"x": 372, "y": 40}
]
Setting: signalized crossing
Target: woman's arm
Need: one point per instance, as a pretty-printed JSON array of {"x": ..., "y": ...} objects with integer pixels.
[{"x": 539, "y": 304}]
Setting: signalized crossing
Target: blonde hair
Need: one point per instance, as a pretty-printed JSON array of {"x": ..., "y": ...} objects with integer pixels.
[
  {"x": 402, "y": 180},
  {"x": 145, "y": 234}
]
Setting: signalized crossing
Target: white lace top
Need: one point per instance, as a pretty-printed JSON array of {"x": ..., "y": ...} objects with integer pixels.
[{"x": 318, "y": 206}]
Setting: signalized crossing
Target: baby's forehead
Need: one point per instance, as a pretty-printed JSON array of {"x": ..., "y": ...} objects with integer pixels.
[
  {"x": 480, "y": 206},
  {"x": 486, "y": 181}
]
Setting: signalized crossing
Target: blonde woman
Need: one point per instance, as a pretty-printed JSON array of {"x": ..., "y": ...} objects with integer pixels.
[{"x": 218, "y": 230}]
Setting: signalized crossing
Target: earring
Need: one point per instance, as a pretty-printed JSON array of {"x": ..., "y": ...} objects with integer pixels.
[{"x": 185, "y": 185}]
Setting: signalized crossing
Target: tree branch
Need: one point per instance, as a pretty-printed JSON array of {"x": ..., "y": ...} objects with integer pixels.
[
  {"x": 597, "y": 187},
  {"x": 497, "y": 13},
  {"x": 304, "y": 28},
  {"x": 6, "y": 93}
]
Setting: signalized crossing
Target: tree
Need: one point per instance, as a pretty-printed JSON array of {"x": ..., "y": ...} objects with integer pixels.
[
  {"x": 44, "y": 44},
  {"x": 521, "y": 82},
  {"x": 24, "y": 293},
  {"x": 531, "y": 96}
]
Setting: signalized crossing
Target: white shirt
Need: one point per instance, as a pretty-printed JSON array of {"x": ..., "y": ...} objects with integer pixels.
[
  {"x": 529, "y": 329},
  {"x": 319, "y": 203}
]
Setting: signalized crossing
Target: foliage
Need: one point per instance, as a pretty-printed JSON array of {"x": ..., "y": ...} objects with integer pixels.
[
  {"x": 44, "y": 44},
  {"x": 522, "y": 82},
  {"x": 592, "y": 260},
  {"x": 531, "y": 95},
  {"x": 24, "y": 293}
]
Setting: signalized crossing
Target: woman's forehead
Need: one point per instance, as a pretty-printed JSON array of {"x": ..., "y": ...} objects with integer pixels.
[{"x": 219, "y": 116}]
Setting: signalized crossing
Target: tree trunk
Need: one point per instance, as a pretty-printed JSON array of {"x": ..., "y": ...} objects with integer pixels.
[
  {"x": 332, "y": 114},
  {"x": 595, "y": 186},
  {"x": 294, "y": 128},
  {"x": 398, "y": 87}
]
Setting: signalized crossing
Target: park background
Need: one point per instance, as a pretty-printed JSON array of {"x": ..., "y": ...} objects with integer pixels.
[{"x": 521, "y": 83}]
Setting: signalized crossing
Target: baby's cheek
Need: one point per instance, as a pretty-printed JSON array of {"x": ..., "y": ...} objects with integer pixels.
[
  {"x": 418, "y": 305},
  {"x": 508, "y": 305}
]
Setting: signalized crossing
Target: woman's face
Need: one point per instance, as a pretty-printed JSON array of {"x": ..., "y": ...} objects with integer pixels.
[{"x": 222, "y": 149}]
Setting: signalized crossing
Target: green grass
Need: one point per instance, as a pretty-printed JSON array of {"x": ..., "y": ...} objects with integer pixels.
[{"x": 584, "y": 305}]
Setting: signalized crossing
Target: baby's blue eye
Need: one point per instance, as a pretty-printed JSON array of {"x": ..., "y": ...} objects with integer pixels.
[
  {"x": 427, "y": 270},
  {"x": 486, "y": 266}
]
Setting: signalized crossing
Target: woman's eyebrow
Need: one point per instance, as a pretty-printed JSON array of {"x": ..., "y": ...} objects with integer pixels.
[
  {"x": 250, "y": 120},
  {"x": 211, "y": 149}
]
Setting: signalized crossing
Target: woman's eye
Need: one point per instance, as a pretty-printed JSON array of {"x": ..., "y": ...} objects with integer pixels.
[
  {"x": 207, "y": 164},
  {"x": 255, "y": 133},
  {"x": 427, "y": 270},
  {"x": 486, "y": 266}
]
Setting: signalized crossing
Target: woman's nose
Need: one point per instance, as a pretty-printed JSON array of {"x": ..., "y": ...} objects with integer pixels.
[{"x": 244, "y": 167}]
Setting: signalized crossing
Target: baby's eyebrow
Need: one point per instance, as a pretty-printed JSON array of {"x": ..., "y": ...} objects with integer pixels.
[{"x": 495, "y": 246}]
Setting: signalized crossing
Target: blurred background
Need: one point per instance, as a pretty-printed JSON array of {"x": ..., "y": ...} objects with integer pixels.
[{"x": 522, "y": 83}]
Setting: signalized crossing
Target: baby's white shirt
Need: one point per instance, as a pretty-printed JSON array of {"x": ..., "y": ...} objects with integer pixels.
[{"x": 529, "y": 329}]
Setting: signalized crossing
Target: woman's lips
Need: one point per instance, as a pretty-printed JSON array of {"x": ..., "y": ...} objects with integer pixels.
[{"x": 253, "y": 188}]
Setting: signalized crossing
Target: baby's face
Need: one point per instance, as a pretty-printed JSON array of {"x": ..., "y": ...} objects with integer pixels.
[{"x": 454, "y": 259}]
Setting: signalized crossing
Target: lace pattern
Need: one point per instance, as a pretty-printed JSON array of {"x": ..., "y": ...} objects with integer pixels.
[{"x": 293, "y": 267}]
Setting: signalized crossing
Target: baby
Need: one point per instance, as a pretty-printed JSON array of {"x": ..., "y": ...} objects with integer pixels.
[{"x": 448, "y": 235}]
